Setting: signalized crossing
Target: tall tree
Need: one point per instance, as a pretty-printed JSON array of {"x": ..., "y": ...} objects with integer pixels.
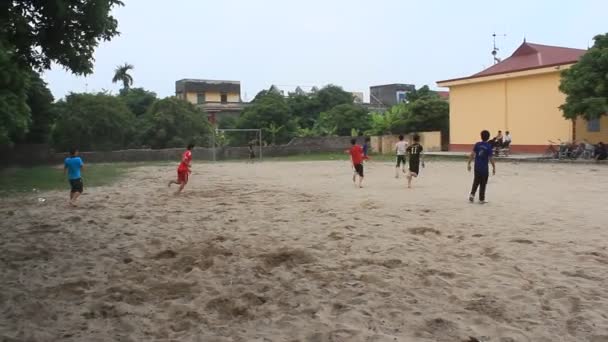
[
  {"x": 121, "y": 74},
  {"x": 40, "y": 101},
  {"x": 586, "y": 83},
  {"x": 92, "y": 122},
  {"x": 331, "y": 96},
  {"x": 172, "y": 122},
  {"x": 138, "y": 100},
  {"x": 34, "y": 34},
  {"x": 14, "y": 111},
  {"x": 268, "y": 108},
  {"x": 344, "y": 118},
  {"x": 62, "y": 31}
]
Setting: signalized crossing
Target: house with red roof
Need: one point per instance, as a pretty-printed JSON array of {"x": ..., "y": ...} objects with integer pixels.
[{"x": 521, "y": 95}]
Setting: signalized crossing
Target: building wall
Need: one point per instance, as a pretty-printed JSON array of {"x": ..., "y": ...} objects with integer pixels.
[
  {"x": 592, "y": 137},
  {"x": 527, "y": 106},
  {"x": 385, "y": 144},
  {"x": 213, "y": 96}
]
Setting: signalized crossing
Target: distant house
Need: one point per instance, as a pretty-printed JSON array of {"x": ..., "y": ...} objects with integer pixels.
[
  {"x": 521, "y": 95},
  {"x": 217, "y": 98},
  {"x": 358, "y": 97},
  {"x": 389, "y": 95},
  {"x": 444, "y": 95}
]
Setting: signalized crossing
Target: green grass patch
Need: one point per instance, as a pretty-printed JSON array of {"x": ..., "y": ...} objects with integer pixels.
[{"x": 44, "y": 178}]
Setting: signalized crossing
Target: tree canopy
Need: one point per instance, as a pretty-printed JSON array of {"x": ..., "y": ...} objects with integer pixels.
[
  {"x": 269, "y": 111},
  {"x": 344, "y": 118},
  {"x": 586, "y": 83},
  {"x": 92, "y": 122},
  {"x": 62, "y": 31},
  {"x": 138, "y": 100},
  {"x": 172, "y": 122}
]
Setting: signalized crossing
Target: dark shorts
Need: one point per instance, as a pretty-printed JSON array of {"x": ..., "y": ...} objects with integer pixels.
[
  {"x": 359, "y": 169},
  {"x": 400, "y": 159},
  {"x": 76, "y": 185},
  {"x": 415, "y": 166}
]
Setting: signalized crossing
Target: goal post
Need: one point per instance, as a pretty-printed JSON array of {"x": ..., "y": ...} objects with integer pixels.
[{"x": 222, "y": 131}]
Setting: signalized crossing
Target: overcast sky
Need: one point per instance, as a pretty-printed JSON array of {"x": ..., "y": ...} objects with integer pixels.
[{"x": 351, "y": 43}]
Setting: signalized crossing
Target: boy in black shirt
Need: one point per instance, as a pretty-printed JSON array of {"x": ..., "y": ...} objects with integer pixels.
[{"x": 415, "y": 155}]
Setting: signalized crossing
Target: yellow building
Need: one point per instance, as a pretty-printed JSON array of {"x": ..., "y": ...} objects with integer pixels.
[
  {"x": 520, "y": 95},
  {"x": 217, "y": 98}
]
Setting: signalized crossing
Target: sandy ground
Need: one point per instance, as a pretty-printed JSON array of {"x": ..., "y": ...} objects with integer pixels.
[{"x": 291, "y": 251}]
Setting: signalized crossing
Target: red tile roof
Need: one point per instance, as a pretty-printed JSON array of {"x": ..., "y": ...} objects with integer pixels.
[
  {"x": 443, "y": 94},
  {"x": 531, "y": 56}
]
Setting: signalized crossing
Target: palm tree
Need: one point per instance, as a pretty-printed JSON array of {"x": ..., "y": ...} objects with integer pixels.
[
  {"x": 273, "y": 129},
  {"x": 121, "y": 74}
]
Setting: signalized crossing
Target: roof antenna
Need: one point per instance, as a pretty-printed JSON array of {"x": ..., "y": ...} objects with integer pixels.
[{"x": 496, "y": 49}]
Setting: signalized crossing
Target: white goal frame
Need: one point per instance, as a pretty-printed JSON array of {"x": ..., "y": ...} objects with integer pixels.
[{"x": 220, "y": 130}]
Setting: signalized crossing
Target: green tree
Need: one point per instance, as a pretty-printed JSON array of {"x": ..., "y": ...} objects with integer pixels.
[
  {"x": 427, "y": 114},
  {"x": 92, "y": 122},
  {"x": 331, "y": 96},
  {"x": 305, "y": 108},
  {"x": 34, "y": 34},
  {"x": 586, "y": 83},
  {"x": 14, "y": 111},
  {"x": 269, "y": 107},
  {"x": 121, "y": 74},
  {"x": 43, "y": 115},
  {"x": 62, "y": 31},
  {"x": 172, "y": 122},
  {"x": 274, "y": 130},
  {"x": 344, "y": 118},
  {"x": 138, "y": 100}
]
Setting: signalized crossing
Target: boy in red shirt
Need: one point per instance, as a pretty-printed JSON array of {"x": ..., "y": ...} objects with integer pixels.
[
  {"x": 183, "y": 170},
  {"x": 356, "y": 156}
]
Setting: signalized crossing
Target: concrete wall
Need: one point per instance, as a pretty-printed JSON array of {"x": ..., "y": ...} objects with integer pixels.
[
  {"x": 526, "y": 104},
  {"x": 593, "y": 137},
  {"x": 430, "y": 141},
  {"x": 29, "y": 155}
]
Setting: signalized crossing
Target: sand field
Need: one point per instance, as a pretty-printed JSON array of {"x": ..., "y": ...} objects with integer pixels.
[{"x": 292, "y": 251}]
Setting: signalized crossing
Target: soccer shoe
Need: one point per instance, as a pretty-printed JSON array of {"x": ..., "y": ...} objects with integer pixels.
[{"x": 471, "y": 198}]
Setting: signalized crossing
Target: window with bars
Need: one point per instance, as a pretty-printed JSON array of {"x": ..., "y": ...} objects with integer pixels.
[{"x": 593, "y": 125}]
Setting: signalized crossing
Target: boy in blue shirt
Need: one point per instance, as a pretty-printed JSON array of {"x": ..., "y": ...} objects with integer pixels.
[
  {"x": 482, "y": 153},
  {"x": 73, "y": 165}
]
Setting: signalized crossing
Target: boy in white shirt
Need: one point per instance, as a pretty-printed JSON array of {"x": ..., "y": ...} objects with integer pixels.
[{"x": 400, "y": 149}]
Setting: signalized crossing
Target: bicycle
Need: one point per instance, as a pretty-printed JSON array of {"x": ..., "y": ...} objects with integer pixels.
[{"x": 551, "y": 152}]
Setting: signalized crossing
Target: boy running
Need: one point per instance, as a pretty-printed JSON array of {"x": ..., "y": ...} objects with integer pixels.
[
  {"x": 73, "y": 166},
  {"x": 356, "y": 156},
  {"x": 414, "y": 153},
  {"x": 482, "y": 153},
  {"x": 183, "y": 170},
  {"x": 400, "y": 149}
]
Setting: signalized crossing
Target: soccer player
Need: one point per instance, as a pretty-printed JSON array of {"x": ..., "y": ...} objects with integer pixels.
[
  {"x": 356, "y": 156},
  {"x": 366, "y": 148},
  {"x": 482, "y": 153},
  {"x": 414, "y": 154},
  {"x": 183, "y": 170},
  {"x": 73, "y": 166},
  {"x": 400, "y": 150},
  {"x": 251, "y": 153}
]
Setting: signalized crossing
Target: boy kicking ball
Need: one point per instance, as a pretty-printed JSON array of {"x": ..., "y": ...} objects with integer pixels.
[
  {"x": 356, "y": 156},
  {"x": 482, "y": 153},
  {"x": 414, "y": 153},
  {"x": 183, "y": 170}
]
